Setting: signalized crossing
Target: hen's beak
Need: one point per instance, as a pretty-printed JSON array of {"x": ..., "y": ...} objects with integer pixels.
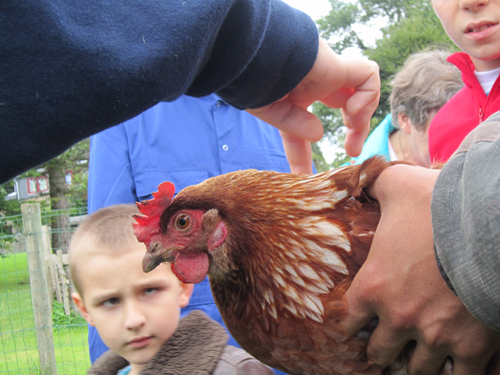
[
  {"x": 149, "y": 262},
  {"x": 155, "y": 256}
]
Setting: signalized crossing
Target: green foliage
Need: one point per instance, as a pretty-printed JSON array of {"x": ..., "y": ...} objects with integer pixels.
[
  {"x": 318, "y": 158},
  {"x": 339, "y": 23},
  {"x": 77, "y": 192},
  {"x": 12, "y": 207},
  {"x": 60, "y": 320},
  {"x": 331, "y": 119},
  {"x": 423, "y": 31},
  {"x": 339, "y": 26},
  {"x": 10, "y": 231}
]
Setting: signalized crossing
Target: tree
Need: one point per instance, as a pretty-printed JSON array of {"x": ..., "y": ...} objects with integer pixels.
[
  {"x": 62, "y": 195},
  {"x": 11, "y": 207},
  {"x": 339, "y": 26},
  {"x": 411, "y": 26},
  {"x": 74, "y": 160},
  {"x": 421, "y": 31}
]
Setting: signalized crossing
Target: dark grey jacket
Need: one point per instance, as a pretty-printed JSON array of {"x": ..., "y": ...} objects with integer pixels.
[
  {"x": 466, "y": 221},
  {"x": 198, "y": 347}
]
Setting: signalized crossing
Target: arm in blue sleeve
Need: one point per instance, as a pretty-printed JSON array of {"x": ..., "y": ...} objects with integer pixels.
[
  {"x": 70, "y": 69},
  {"x": 110, "y": 172}
]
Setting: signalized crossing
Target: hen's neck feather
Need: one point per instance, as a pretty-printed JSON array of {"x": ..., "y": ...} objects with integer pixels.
[{"x": 290, "y": 237}]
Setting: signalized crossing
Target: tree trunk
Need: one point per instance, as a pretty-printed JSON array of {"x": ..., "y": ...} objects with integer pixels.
[{"x": 61, "y": 229}]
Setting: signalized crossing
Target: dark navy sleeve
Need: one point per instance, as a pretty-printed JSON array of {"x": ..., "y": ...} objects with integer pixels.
[{"x": 71, "y": 69}]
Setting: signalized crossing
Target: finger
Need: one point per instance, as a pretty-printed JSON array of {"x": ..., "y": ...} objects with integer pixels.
[
  {"x": 386, "y": 344},
  {"x": 360, "y": 94},
  {"x": 360, "y": 108},
  {"x": 354, "y": 140},
  {"x": 291, "y": 118},
  {"x": 364, "y": 101},
  {"x": 360, "y": 313},
  {"x": 426, "y": 362},
  {"x": 298, "y": 153},
  {"x": 362, "y": 74}
]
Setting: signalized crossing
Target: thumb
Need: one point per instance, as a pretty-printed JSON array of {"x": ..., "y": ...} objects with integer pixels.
[{"x": 290, "y": 118}]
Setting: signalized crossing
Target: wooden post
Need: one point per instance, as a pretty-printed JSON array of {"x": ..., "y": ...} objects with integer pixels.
[
  {"x": 47, "y": 251},
  {"x": 40, "y": 297},
  {"x": 64, "y": 282},
  {"x": 55, "y": 274}
]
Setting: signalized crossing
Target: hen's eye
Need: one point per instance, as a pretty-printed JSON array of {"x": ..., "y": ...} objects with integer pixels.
[{"x": 182, "y": 222}]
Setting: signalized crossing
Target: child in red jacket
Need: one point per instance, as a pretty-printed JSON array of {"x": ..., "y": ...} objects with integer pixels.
[{"x": 473, "y": 25}]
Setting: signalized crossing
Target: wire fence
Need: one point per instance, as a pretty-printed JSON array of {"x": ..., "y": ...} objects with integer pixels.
[{"x": 39, "y": 334}]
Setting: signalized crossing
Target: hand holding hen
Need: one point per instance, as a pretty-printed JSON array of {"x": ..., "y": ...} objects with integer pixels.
[{"x": 400, "y": 283}]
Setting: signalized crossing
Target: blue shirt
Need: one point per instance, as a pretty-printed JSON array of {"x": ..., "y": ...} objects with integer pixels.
[
  {"x": 125, "y": 370},
  {"x": 185, "y": 142}
]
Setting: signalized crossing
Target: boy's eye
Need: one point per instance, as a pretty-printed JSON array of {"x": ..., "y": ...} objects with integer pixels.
[
  {"x": 110, "y": 302},
  {"x": 150, "y": 291}
]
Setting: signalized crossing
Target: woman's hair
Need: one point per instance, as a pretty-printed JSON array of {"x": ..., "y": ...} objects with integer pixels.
[{"x": 422, "y": 86}]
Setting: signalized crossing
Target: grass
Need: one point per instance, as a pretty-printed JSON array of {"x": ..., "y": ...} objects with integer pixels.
[{"x": 18, "y": 346}]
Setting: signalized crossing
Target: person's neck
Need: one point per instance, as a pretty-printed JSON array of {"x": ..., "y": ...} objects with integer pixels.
[
  {"x": 401, "y": 145},
  {"x": 135, "y": 369},
  {"x": 485, "y": 65}
]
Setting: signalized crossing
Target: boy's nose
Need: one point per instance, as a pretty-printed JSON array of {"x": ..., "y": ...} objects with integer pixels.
[
  {"x": 134, "y": 316},
  {"x": 473, "y": 5}
]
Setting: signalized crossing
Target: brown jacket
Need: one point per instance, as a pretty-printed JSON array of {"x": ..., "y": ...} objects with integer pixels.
[{"x": 198, "y": 347}]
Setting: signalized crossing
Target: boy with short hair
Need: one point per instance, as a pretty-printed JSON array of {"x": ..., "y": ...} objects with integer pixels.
[
  {"x": 474, "y": 27},
  {"x": 137, "y": 314}
]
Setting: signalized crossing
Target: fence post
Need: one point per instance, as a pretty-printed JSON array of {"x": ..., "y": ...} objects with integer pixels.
[
  {"x": 47, "y": 252},
  {"x": 64, "y": 281},
  {"x": 40, "y": 297}
]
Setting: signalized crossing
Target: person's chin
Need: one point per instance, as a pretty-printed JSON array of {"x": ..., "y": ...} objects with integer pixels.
[{"x": 141, "y": 358}]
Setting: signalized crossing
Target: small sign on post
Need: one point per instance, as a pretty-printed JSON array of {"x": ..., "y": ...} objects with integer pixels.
[{"x": 41, "y": 298}]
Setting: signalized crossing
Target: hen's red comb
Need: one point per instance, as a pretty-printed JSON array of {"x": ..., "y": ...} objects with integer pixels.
[{"x": 149, "y": 224}]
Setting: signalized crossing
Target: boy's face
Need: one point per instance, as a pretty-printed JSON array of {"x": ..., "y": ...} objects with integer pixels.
[
  {"x": 134, "y": 312},
  {"x": 474, "y": 27}
]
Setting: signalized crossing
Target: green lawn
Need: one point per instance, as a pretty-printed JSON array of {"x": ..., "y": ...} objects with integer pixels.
[{"x": 18, "y": 346}]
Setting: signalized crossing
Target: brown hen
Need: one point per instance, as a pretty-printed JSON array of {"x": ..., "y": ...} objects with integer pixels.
[{"x": 280, "y": 251}]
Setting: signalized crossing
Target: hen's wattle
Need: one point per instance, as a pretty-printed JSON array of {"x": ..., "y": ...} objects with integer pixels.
[{"x": 280, "y": 250}]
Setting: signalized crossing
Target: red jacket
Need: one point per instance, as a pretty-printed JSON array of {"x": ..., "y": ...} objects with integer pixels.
[{"x": 465, "y": 110}]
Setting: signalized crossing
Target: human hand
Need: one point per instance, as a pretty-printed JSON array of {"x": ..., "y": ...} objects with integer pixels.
[
  {"x": 400, "y": 284},
  {"x": 298, "y": 153},
  {"x": 336, "y": 81}
]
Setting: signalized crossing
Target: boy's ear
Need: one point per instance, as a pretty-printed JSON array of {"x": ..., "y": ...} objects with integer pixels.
[
  {"x": 186, "y": 292},
  {"x": 404, "y": 122},
  {"x": 77, "y": 298}
]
